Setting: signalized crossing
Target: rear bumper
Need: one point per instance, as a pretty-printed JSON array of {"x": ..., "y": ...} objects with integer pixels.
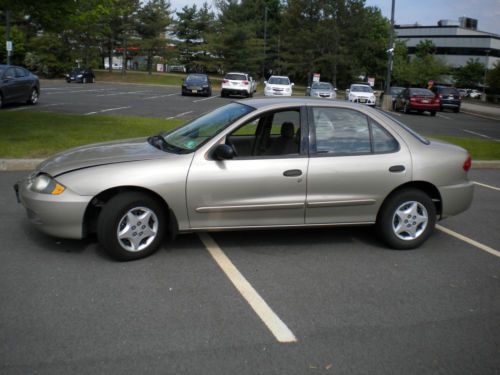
[
  {"x": 424, "y": 106},
  {"x": 456, "y": 198},
  {"x": 233, "y": 91}
]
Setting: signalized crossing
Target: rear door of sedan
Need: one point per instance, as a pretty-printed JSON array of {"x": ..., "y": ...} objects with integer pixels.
[{"x": 354, "y": 164}]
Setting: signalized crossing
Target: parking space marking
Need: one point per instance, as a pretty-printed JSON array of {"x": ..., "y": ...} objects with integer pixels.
[
  {"x": 38, "y": 106},
  {"x": 443, "y": 116},
  {"x": 124, "y": 93},
  {"x": 105, "y": 110},
  {"x": 481, "y": 135},
  {"x": 279, "y": 329},
  {"x": 64, "y": 91},
  {"x": 200, "y": 100},
  {"x": 486, "y": 186},
  {"x": 179, "y": 115},
  {"x": 160, "y": 96},
  {"x": 470, "y": 241}
]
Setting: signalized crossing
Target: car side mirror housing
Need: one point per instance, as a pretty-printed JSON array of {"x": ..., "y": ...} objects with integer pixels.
[
  {"x": 347, "y": 90},
  {"x": 223, "y": 152},
  {"x": 265, "y": 82},
  {"x": 293, "y": 84}
]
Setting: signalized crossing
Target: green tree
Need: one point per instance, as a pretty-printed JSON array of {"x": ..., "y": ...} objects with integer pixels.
[
  {"x": 470, "y": 75},
  {"x": 152, "y": 21},
  {"x": 493, "y": 79}
]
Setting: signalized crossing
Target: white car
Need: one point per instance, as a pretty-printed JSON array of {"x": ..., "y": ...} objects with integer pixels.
[
  {"x": 278, "y": 86},
  {"x": 237, "y": 84},
  {"x": 361, "y": 93},
  {"x": 474, "y": 94}
]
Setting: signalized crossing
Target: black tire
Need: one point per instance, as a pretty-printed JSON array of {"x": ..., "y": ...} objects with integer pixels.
[
  {"x": 406, "y": 109},
  {"x": 1, "y": 100},
  {"x": 456, "y": 110},
  {"x": 419, "y": 211},
  {"x": 128, "y": 210},
  {"x": 33, "y": 98},
  {"x": 433, "y": 113}
]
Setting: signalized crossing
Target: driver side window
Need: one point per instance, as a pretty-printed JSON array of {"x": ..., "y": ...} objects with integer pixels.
[{"x": 269, "y": 135}]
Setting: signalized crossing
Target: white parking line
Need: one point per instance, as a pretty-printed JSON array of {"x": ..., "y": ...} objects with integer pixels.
[
  {"x": 486, "y": 186},
  {"x": 470, "y": 241},
  {"x": 279, "y": 329},
  {"x": 105, "y": 110},
  {"x": 159, "y": 96},
  {"x": 481, "y": 135},
  {"x": 123, "y": 93},
  {"x": 38, "y": 106},
  {"x": 443, "y": 116},
  {"x": 200, "y": 100},
  {"x": 74, "y": 91},
  {"x": 179, "y": 115}
]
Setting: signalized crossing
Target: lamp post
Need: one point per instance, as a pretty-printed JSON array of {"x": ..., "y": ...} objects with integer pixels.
[
  {"x": 387, "y": 104},
  {"x": 483, "y": 97}
]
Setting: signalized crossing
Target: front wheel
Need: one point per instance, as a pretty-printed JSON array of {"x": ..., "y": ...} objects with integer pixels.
[
  {"x": 33, "y": 98},
  {"x": 131, "y": 226},
  {"x": 406, "y": 219}
]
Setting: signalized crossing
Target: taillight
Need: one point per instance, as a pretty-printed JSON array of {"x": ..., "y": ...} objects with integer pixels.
[
  {"x": 245, "y": 82},
  {"x": 225, "y": 81},
  {"x": 467, "y": 163}
]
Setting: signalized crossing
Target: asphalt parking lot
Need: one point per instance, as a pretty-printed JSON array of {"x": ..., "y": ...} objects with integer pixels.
[
  {"x": 330, "y": 301},
  {"x": 351, "y": 305}
]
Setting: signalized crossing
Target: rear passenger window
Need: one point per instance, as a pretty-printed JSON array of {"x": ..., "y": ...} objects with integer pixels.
[{"x": 342, "y": 131}]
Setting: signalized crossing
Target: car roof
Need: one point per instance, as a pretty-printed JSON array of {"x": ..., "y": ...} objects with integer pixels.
[
  {"x": 279, "y": 77},
  {"x": 262, "y": 103}
]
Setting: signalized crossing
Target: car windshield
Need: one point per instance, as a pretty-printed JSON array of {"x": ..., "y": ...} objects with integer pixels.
[
  {"x": 196, "y": 77},
  {"x": 236, "y": 77},
  {"x": 421, "y": 92},
  {"x": 322, "y": 86},
  {"x": 361, "y": 88},
  {"x": 279, "y": 81},
  {"x": 449, "y": 91},
  {"x": 396, "y": 90},
  {"x": 195, "y": 133}
]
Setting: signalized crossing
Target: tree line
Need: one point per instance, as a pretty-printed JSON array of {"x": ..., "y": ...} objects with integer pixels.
[{"x": 343, "y": 40}]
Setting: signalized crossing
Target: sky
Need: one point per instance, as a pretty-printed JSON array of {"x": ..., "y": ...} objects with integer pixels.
[{"x": 424, "y": 12}]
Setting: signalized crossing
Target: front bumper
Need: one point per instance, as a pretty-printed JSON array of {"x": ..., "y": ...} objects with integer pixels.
[
  {"x": 57, "y": 215},
  {"x": 195, "y": 90},
  {"x": 361, "y": 100}
]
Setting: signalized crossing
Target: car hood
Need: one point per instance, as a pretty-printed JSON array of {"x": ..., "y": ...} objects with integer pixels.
[
  {"x": 275, "y": 85},
  {"x": 362, "y": 93},
  {"x": 100, "y": 154}
]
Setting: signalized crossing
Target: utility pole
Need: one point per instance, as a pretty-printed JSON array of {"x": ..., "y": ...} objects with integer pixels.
[
  {"x": 387, "y": 104},
  {"x": 483, "y": 97},
  {"x": 265, "y": 45},
  {"x": 8, "y": 44}
]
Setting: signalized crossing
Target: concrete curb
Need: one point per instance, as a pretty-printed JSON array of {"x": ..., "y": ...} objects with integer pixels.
[{"x": 11, "y": 165}]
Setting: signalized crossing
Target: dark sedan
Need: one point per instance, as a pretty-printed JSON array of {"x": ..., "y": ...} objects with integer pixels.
[
  {"x": 197, "y": 84},
  {"x": 82, "y": 75},
  {"x": 415, "y": 99},
  {"x": 449, "y": 97},
  {"x": 18, "y": 85}
]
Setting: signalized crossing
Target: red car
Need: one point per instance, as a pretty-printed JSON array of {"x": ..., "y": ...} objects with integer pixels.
[{"x": 415, "y": 99}]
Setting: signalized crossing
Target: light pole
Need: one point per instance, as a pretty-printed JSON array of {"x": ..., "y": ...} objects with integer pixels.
[
  {"x": 387, "y": 104},
  {"x": 483, "y": 97},
  {"x": 265, "y": 45}
]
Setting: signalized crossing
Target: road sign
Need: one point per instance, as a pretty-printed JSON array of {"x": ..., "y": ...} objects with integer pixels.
[{"x": 8, "y": 45}]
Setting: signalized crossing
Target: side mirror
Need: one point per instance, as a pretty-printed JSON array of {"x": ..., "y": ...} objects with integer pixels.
[
  {"x": 265, "y": 82},
  {"x": 347, "y": 91},
  {"x": 293, "y": 84},
  {"x": 223, "y": 152}
]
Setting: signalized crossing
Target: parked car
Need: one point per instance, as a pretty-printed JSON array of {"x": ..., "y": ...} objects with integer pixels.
[
  {"x": 18, "y": 85},
  {"x": 417, "y": 99},
  {"x": 474, "y": 94},
  {"x": 236, "y": 84},
  {"x": 81, "y": 75},
  {"x": 197, "y": 84},
  {"x": 252, "y": 164},
  {"x": 394, "y": 91},
  {"x": 322, "y": 90},
  {"x": 463, "y": 93},
  {"x": 449, "y": 97},
  {"x": 278, "y": 86},
  {"x": 361, "y": 93}
]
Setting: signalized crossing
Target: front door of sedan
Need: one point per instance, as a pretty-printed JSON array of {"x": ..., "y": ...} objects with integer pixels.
[
  {"x": 11, "y": 86},
  {"x": 355, "y": 163},
  {"x": 263, "y": 185}
]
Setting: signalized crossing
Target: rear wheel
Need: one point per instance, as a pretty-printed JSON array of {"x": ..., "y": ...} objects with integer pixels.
[
  {"x": 406, "y": 219},
  {"x": 456, "y": 110},
  {"x": 131, "y": 226}
]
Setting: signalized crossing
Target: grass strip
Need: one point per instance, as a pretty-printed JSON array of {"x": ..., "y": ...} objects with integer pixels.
[
  {"x": 480, "y": 149},
  {"x": 38, "y": 135}
]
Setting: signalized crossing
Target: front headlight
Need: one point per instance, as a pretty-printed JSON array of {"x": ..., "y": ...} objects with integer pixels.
[
  {"x": 45, "y": 184},
  {"x": 79, "y": 76}
]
